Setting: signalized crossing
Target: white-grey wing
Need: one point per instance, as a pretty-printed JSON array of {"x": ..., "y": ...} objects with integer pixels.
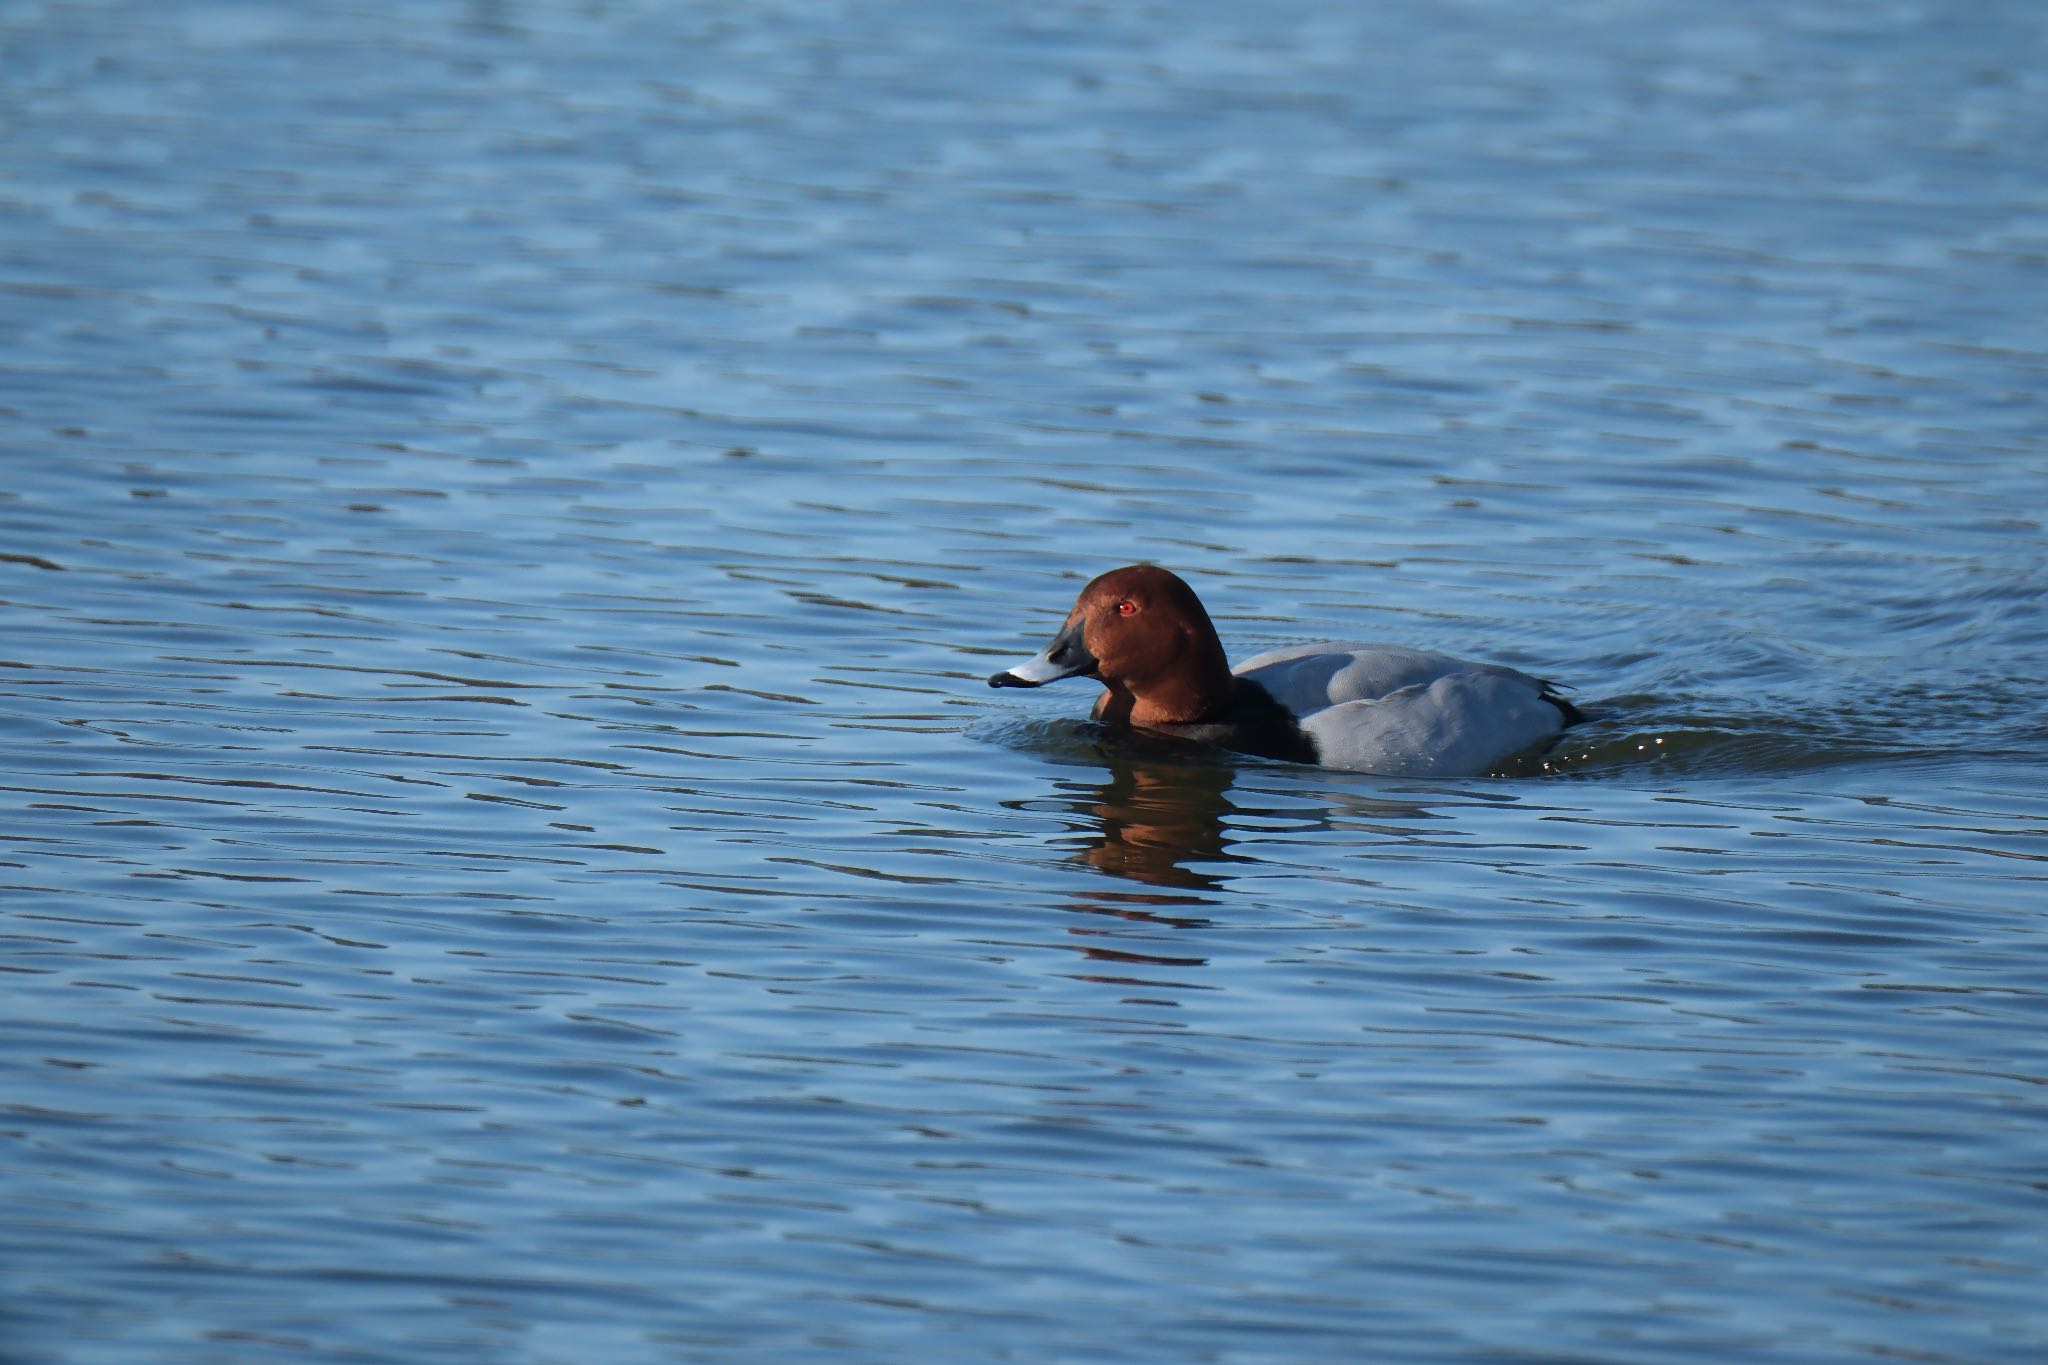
[
  {"x": 1306, "y": 678},
  {"x": 1459, "y": 725}
]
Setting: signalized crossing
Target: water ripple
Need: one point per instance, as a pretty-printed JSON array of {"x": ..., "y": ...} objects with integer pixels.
[{"x": 509, "y": 854}]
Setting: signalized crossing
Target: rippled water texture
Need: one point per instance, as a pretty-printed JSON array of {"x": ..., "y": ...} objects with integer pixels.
[{"x": 506, "y": 511}]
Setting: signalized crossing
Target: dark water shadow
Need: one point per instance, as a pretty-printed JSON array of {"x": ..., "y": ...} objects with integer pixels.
[{"x": 1634, "y": 738}]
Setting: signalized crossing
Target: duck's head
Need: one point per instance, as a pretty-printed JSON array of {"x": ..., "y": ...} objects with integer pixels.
[{"x": 1146, "y": 636}]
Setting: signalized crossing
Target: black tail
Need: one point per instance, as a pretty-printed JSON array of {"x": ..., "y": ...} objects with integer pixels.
[{"x": 1572, "y": 714}]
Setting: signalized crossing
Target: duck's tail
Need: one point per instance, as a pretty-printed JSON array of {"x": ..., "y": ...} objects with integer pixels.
[{"x": 1551, "y": 693}]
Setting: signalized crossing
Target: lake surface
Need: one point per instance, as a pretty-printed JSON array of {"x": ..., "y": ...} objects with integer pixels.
[{"x": 506, "y": 511}]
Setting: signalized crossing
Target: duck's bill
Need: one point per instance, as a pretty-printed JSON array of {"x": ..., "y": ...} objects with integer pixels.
[{"x": 1065, "y": 657}]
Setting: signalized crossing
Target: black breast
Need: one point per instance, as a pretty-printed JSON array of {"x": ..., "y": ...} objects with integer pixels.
[{"x": 1255, "y": 724}]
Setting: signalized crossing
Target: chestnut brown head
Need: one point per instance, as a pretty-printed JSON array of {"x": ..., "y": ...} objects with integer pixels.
[{"x": 1145, "y": 634}]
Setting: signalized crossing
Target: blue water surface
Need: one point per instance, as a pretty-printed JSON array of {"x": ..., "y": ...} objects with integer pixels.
[{"x": 506, "y": 510}]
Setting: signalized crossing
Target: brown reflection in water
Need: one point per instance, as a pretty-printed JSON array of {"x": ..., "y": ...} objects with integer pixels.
[
  {"x": 1154, "y": 821},
  {"x": 1161, "y": 823},
  {"x": 1149, "y": 823}
]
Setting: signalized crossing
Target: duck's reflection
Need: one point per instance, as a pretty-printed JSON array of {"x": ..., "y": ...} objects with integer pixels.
[
  {"x": 1154, "y": 822},
  {"x": 1160, "y": 823},
  {"x": 1163, "y": 816}
]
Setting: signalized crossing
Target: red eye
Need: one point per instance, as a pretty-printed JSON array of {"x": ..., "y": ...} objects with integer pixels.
[{"x": 1126, "y": 608}]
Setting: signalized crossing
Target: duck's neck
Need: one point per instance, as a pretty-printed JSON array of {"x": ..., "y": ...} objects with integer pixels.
[{"x": 1186, "y": 695}]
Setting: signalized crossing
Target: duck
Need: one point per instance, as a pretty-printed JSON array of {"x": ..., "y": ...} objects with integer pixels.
[{"x": 1144, "y": 635}]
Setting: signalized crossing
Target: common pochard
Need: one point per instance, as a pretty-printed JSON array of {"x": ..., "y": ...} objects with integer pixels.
[{"x": 1145, "y": 636}]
